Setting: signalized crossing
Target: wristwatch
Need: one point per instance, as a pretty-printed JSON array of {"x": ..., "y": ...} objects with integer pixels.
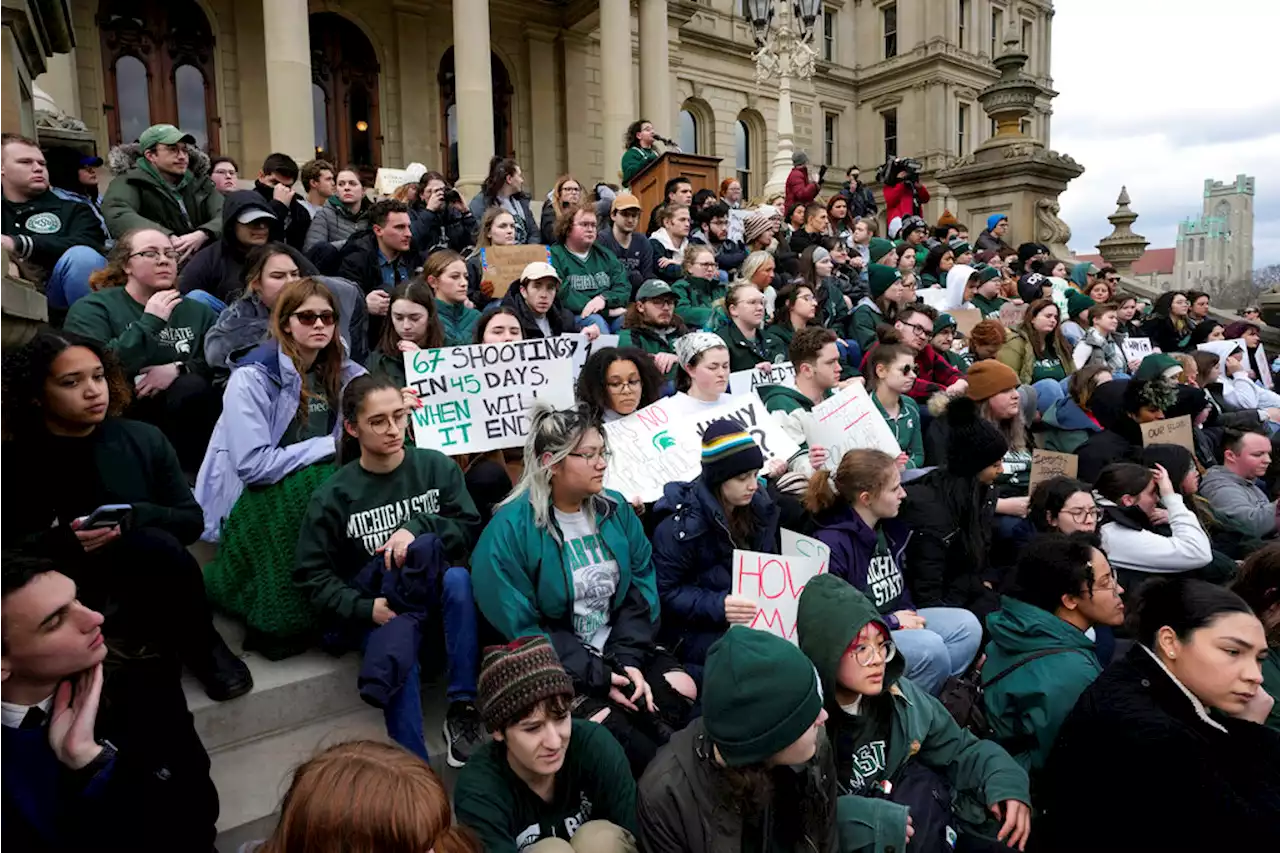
[{"x": 93, "y": 768}]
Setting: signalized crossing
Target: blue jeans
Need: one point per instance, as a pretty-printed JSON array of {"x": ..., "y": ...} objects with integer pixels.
[
  {"x": 596, "y": 320},
  {"x": 945, "y": 646},
  {"x": 69, "y": 279},
  {"x": 850, "y": 353},
  {"x": 1048, "y": 392},
  {"x": 204, "y": 297}
]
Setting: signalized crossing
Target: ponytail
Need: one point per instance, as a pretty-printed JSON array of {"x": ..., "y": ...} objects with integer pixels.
[
  {"x": 820, "y": 495},
  {"x": 859, "y": 471}
]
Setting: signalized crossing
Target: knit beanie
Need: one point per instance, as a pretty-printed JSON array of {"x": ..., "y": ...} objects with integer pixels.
[
  {"x": 688, "y": 347},
  {"x": 912, "y": 223},
  {"x": 944, "y": 321},
  {"x": 959, "y": 247},
  {"x": 988, "y": 273},
  {"x": 755, "y": 225},
  {"x": 516, "y": 677},
  {"x": 1156, "y": 365},
  {"x": 947, "y": 218},
  {"x": 1026, "y": 252},
  {"x": 880, "y": 278},
  {"x": 727, "y": 451},
  {"x": 879, "y": 247},
  {"x": 1237, "y": 329},
  {"x": 1077, "y": 302},
  {"x": 973, "y": 443},
  {"x": 990, "y": 377},
  {"x": 760, "y": 694},
  {"x": 994, "y": 219},
  {"x": 820, "y": 254}
]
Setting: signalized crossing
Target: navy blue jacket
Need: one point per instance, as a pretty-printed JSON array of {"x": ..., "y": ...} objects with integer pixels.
[
  {"x": 693, "y": 559},
  {"x": 852, "y": 544}
]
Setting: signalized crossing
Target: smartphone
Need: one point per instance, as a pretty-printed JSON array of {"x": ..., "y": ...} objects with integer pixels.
[{"x": 107, "y": 515}]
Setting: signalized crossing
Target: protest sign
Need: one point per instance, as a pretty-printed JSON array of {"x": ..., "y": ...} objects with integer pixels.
[
  {"x": 966, "y": 319},
  {"x": 583, "y": 348},
  {"x": 848, "y": 421},
  {"x": 936, "y": 298},
  {"x": 746, "y": 381},
  {"x": 1170, "y": 431},
  {"x": 1011, "y": 315},
  {"x": 774, "y": 582},
  {"x": 504, "y": 264},
  {"x": 1046, "y": 464},
  {"x": 798, "y": 545},
  {"x": 477, "y": 398},
  {"x": 662, "y": 443},
  {"x": 388, "y": 181},
  {"x": 1136, "y": 349}
]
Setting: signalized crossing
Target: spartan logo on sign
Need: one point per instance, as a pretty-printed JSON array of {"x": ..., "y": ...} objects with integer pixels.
[{"x": 44, "y": 223}]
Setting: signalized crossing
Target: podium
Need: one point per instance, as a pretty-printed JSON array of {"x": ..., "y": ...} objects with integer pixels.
[{"x": 702, "y": 172}]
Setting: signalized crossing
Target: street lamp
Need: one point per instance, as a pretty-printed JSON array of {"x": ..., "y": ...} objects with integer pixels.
[{"x": 783, "y": 52}]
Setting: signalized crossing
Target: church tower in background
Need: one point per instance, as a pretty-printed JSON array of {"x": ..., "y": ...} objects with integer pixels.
[{"x": 1215, "y": 250}]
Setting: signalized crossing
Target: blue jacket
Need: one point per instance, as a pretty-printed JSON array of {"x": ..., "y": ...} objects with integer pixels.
[
  {"x": 693, "y": 559},
  {"x": 1067, "y": 427},
  {"x": 260, "y": 402},
  {"x": 852, "y": 544}
]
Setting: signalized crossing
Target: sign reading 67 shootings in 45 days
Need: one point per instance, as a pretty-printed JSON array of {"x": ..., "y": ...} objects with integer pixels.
[{"x": 477, "y": 398}]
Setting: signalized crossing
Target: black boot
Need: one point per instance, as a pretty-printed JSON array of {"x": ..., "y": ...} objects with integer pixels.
[{"x": 223, "y": 675}]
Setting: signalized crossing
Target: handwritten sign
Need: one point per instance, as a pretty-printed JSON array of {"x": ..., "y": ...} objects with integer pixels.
[
  {"x": 388, "y": 181},
  {"x": 849, "y": 421},
  {"x": 504, "y": 264},
  {"x": 798, "y": 545},
  {"x": 774, "y": 582},
  {"x": 1136, "y": 349},
  {"x": 582, "y": 348},
  {"x": 1170, "y": 431},
  {"x": 966, "y": 319},
  {"x": 477, "y": 398},
  {"x": 1046, "y": 464},
  {"x": 746, "y": 381},
  {"x": 662, "y": 443},
  {"x": 1011, "y": 315}
]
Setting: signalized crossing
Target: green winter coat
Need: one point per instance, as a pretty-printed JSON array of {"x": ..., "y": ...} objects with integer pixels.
[
  {"x": 1018, "y": 353},
  {"x": 459, "y": 323},
  {"x": 836, "y": 315},
  {"x": 777, "y": 341},
  {"x": 634, "y": 159},
  {"x": 116, "y": 320},
  {"x": 645, "y": 338},
  {"x": 601, "y": 274},
  {"x": 866, "y": 316},
  {"x": 140, "y": 198},
  {"x": 745, "y": 354},
  {"x": 990, "y": 308},
  {"x": 1026, "y": 708},
  {"x": 906, "y": 428},
  {"x": 696, "y": 298},
  {"x": 831, "y": 614},
  {"x": 391, "y": 366}
]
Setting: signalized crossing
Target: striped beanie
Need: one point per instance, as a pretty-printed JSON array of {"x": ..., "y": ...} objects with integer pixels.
[
  {"x": 727, "y": 451},
  {"x": 514, "y": 678}
]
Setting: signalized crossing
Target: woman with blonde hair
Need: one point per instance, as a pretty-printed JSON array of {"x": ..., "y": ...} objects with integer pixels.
[
  {"x": 367, "y": 797},
  {"x": 497, "y": 228},
  {"x": 566, "y": 194},
  {"x": 759, "y": 269}
]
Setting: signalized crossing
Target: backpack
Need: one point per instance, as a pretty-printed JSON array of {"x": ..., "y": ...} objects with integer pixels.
[{"x": 962, "y": 694}]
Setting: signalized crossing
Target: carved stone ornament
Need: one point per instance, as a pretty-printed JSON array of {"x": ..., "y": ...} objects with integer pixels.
[{"x": 1050, "y": 228}]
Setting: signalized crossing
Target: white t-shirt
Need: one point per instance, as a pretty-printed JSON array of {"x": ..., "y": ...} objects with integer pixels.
[
  {"x": 595, "y": 577},
  {"x": 543, "y": 324},
  {"x": 693, "y": 406}
]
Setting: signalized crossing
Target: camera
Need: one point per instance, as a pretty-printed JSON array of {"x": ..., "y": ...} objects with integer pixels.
[
  {"x": 451, "y": 196},
  {"x": 888, "y": 173}
]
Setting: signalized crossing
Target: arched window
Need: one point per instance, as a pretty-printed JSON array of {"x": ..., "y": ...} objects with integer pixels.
[
  {"x": 157, "y": 58},
  {"x": 687, "y": 137},
  {"x": 748, "y": 152},
  {"x": 742, "y": 155},
  {"x": 503, "y": 95},
  {"x": 344, "y": 77}
]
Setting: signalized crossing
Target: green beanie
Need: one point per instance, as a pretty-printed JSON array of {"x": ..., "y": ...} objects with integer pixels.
[
  {"x": 880, "y": 278},
  {"x": 760, "y": 694},
  {"x": 879, "y": 247},
  {"x": 988, "y": 273},
  {"x": 944, "y": 321},
  {"x": 1155, "y": 365},
  {"x": 1077, "y": 302}
]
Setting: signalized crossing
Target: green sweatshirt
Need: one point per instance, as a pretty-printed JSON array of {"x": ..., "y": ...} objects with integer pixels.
[
  {"x": 653, "y": 343},
  {"x": 459, "y": 323},
  {"x": 745, "y": 354},
  {"x": 696, "y": 297},
  {"x": 777, "y": 341},
  {"x": 594, "y": 783},
  {"x": 634, "y": 159},
  {"x": 866, "y": 316},
  {"x": 908, "y": 725},
  {"x": 600, "y": 274},
  {"x": 391, "y": 366},
  {"x": 906, "y": 428},
  {"x": 355, "y": 512},
  {"x": 990, "y": 308},
  {"x": 117, "y": 321}
]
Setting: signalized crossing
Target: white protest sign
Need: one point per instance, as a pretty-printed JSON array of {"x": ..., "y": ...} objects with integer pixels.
[
  {"x": 798, "y": 545},
  {"x": 1136, "y": 349},
  {"x": 774, "y": 582},
  {"x": 746, "y": 381},
  {"x": 388, "y": 181},
  {"x": 582, "y": 348},
  {"x": 936, "y": 298},
  {"x": 662, "y": 443},
  {"x": 848, "y": 421},
  {"x": 477, "y": 398}
]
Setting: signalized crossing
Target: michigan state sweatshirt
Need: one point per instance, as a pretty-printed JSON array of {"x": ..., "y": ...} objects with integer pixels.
[
  {"x": 594, "y": 783},
  {"x": 120, "y": 323},
  {"x": 355, "y": 512},
  {"x": 583, "y": 279}
]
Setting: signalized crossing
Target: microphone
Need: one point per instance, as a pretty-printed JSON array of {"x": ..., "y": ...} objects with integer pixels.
[{"x": 663, "y": 139}]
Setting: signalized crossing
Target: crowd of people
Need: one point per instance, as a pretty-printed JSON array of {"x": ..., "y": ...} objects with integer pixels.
[{"x": 981, "y": 664}]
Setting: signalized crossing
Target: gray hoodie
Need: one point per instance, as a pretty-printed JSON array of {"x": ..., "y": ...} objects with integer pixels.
[{"x": 1238, "y": 503}]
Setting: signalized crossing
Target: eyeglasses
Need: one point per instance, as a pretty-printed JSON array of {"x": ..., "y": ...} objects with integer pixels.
[
  {"x": 1110, "y": 582},
  {"x": 630, "y": 385},
  {"x": 309, "y": 318},
  {"x": 180, "y": 148},
  {"x": 155, "y": 254},
  {"x": 920, "y": 330},
  {"x": 591, "y": 457},
  {"x": 225, "y": 173},
  {"x": 866, "y": 653},
  {"x": 1083, "y": 513},
  {"x": 704, "y": 265},
  {"x": 385, "y": 424}
]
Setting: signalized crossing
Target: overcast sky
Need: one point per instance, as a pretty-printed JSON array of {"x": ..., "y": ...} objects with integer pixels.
[{"x": 1139, "y": 106}]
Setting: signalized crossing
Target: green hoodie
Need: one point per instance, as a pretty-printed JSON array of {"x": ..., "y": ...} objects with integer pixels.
[
  {"x": 140, "y": 198},
  {"x": 458, "y": 321},
  {"x": 1026, "y": 708},
  {"x": 648, "y": 339},
  {"x": 990, "y": 308},
  {"x": 355, "y": 512},
  {"x": 696, "y": 298},
  {"x": 831, "y": 614},
  {"x": 120, "y": 323},
  {"x": 600, "y": 274},
  {"x": 777, "y": 341},
  {"x": 866, "y": 316}
]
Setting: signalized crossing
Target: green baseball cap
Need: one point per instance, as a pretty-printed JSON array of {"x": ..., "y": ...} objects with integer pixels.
[
  {"x": 654, "y": 288},
  {"x": 166, "y": 133}
]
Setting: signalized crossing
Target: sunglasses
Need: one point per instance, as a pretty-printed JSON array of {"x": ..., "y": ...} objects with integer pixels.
[{"x": 309, "y": 318}]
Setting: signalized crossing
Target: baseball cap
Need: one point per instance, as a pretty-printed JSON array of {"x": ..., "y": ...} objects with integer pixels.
[
  {"x": 166, "y": 133},
  {"x": 253, "y": 214},
  {"x": 653, "y": 288},
  {"x": 90, "y": 162},
  {"x": 624, "y": 201},
  {"x": 537, "y": 270}
]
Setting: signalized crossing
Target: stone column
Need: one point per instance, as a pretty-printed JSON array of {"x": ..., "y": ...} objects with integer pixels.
[
  {"x": 474, "y": 82},
  {"x": 545, "y": 94},
  {"x": 288, "y": 79},
  {"x": 655, "y": 62},
  {"x": 617, "y": 94},
  {"x": 419, "y": 103}
]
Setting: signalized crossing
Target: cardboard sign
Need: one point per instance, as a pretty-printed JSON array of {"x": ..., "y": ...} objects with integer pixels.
[
  {"x": 1170, "y": 431},
  {"x": 504, "y": 264},
  {"x": 746, "y": 381},
  {"x": 476, "y": 398},
  {"x": 662, "y": 443},
  {"x": 798, "y": 545},
  {"x": 848, "y": 421},
  {"x": 582, "y": 348},
  {"x": 1136, "y": 349},
  {"x": 774, "y": 582},
  {"x": 388, "y": 181},
  {"x": 966, "y": 319},
  {"x": 1011, "y": 315},
  {"x": 1046, "y": 464}
]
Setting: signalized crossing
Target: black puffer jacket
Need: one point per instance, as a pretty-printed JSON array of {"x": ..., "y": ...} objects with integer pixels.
[
  {"x": 216, "y": 268},
  {"x": 1138, "y": 723},
  {"x": 1120, "y": 439}
]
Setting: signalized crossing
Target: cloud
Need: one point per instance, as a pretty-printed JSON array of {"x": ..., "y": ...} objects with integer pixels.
[{"x": 1146, "y": 101}]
